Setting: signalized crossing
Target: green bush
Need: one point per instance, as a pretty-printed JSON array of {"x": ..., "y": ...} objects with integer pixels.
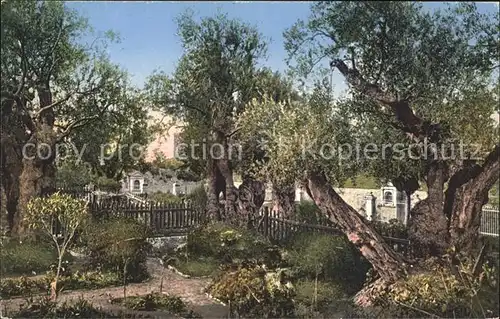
[
  {"x": 25, "y": 286},
  {"x": 156, "y": 301},
  {"x": 317, "y": 294},
  {"x": 228, "y": 244},
  {"x": 253, "y": 291},
  {"x": 107, "y": 184},
  {"x": 198, "y": 197},
  {"x": 443, "y": 292},
  {"x": 307, "y": 212},
  {"x": 45, "y": 308},
  {"x": 327, "y": 257},
  {"x": 118, "y": 242},
  {"x": 26, "y": 258},
  {"x": 394, "y": 228},
  {"x": 70, "y": 174}
]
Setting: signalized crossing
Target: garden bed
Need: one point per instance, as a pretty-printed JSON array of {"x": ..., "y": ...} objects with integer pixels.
[{"x": 157, "y": 302}]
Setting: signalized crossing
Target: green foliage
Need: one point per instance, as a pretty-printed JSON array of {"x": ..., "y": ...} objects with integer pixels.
[
  {"x": 410, "y": 53},
  {"x": 220, "y": 58},
  {"x": 161, "y": 197},
  {"x": 394, "y": 228},
  {"x": 362, "y": 181},
  {"x": 69, "y": 174},
  {"x": 25, "y": 258},
  {"x": 293, "y": 138},
  {"x": 43, "y": 53},
  {"x": 254, "y": 291},
  {"x": 440, "y": 292},
  {"x": 155, "y": 301},
  {"x": 317, "y": 294},
  {"x": 308, "y": 212},
  {"x": 197, "y": 267},
  {"x": 327, "y": 257},
  {"x": 45, "y": 308},
  {"x": 106, "y": 184},
  {"x": 69, "y": 212},
  {"x": 161, "y": 161},
  {"x": 25, "y": 286},
  {"x": 198, "y": 198},
  {"x": 117, "y": 244},
  {"x": 230, "y": 245}
]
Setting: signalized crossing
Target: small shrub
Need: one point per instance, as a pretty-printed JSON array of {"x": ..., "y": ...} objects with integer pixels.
[
  {"x": 308, "y": 212},
  {"x": 327, "y": 257},
  {"x": 199, "y": 198},
  {"x": 253, "y": 291},
  {"x": 394, "y": 228},
  {"x": 317, "y": 294},
  {"x": 69, "y": 213},
  {"x": 155, "y": 301},
  {"x": 45, "y": 308},
  {"x": 108, "y": 184},
  {"x": 117, "y": 244},
  {"x": 25, "y": 286},
  {"x": 440, "y": 292}
]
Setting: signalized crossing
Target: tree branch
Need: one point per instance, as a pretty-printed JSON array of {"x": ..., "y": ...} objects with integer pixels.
[
  {"x": 76, "y": 124},
  {"x": 400, "y": 108},
  {"x": 52, "y": 105}
]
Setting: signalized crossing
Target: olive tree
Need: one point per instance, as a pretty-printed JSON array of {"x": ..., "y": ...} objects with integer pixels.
[
  {"x": 422, "y": 77},
  {"x": 51, "y": 85}
]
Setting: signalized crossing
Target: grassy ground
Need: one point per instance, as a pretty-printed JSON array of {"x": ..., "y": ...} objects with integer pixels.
[
  {"x": 197, "y": 267},
  {"x": 26, "y": 258}
]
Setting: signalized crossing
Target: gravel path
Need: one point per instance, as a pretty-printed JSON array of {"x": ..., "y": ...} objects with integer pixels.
[{"x": 189, "y": 289}]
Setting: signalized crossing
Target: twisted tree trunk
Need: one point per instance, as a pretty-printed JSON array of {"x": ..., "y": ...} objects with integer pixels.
[
  {"x": 388, "y": 264},
  {"x": 284, "y": 199},
  {"x": 428, "y": 226},
  {"x": 466, "y": 194},
  {"x": 251, "y": 195},
  {"x": 11, "y": 167},
  {"x": 38, "y": 173},
  {"x": 216, "y": 186}
]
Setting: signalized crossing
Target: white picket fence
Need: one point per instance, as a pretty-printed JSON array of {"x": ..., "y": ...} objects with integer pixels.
[{"x": 490, "y": 221}]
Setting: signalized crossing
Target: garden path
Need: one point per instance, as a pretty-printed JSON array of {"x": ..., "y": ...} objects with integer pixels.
[{"x": 189, "y": 289}]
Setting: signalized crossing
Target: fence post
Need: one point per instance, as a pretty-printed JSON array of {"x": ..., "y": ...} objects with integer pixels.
[
  {"x": 151, "y": 219},
  {"x": 266, "y": 222}
]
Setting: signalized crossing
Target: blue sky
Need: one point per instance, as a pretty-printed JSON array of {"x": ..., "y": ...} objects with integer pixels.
[{"x": 148, "y": 31}]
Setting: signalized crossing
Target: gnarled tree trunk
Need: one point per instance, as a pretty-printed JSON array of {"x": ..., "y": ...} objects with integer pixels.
[
  {"x": 428, "y": 226},
  {"x": 251, "y": 195},
  {"x": 11, "y": 167},
  {"x": 466, "y": 194},
  {"x": 216, "y": 186},
  {"x": 37, "y": 179},
  {"x": 284, "y": 199},
  {"x": 38, "y": 173},
  {"x": 388, "y": 264}
]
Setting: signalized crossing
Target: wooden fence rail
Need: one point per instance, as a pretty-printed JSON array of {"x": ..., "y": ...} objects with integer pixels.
[
  {"x": 160, "y": 217},
  {"x": 278, "y": 229}
]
